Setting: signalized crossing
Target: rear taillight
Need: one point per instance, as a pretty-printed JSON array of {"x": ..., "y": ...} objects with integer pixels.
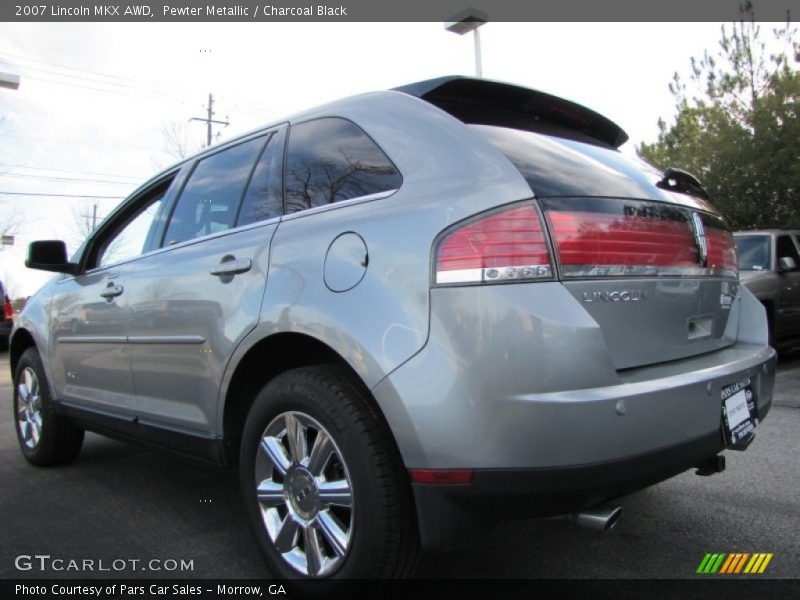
[
  {"x": 504, "y": 246},
  {"x": 722, "y": 259},
  {"x": 590, "y": 237},
  {"x": 8, "y": 310},
  {"x": 631, "y": 242}
]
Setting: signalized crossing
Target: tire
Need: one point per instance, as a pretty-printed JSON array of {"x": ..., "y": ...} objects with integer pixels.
[
  {"x": 377, "y": 536},
  {"x": 45, "y": 437}
]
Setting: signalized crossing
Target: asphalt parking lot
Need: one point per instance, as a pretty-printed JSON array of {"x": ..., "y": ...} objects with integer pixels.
[{"x": 123, "y": 501}]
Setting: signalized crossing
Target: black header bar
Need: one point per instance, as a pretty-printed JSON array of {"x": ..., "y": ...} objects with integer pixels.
[{"x": 388, "y": 10}]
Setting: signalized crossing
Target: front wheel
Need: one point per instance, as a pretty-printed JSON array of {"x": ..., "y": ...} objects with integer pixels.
[
  {"x": 325, "y": 489},
  {"x": 45, "y": 437}
]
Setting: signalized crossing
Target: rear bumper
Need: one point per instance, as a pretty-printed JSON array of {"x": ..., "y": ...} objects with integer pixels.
[
  {"x": 450, "y": 514},
  {"x": 568, "y": 451},
  {"x": 5, "y": 329},
  {"x": 532, "y": 403}
]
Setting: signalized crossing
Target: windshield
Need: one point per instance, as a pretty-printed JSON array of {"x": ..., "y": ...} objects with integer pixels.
[{"x": 753, "y": 252}]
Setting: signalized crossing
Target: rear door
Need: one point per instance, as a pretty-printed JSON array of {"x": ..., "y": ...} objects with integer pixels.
[{"x": 192, "y": 302}]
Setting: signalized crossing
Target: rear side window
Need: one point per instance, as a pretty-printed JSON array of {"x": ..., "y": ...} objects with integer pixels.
[
  {"x": 330, "y": 160},
  {"x": 210, "y": 199}
]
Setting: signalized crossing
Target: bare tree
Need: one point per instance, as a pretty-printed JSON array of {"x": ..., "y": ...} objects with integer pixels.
[
  {"x": 82, "y": 224},
  {"x": 10, "y": 222},
  {"x": 324, "y": 182},
  {"x": 176, "y": 143}
]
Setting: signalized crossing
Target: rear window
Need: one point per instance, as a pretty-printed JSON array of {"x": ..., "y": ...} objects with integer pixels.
[
  {"x": 331, "y": 160},
  {"x": 753, "y": 252},
  {"x": 557, "y": 166}
]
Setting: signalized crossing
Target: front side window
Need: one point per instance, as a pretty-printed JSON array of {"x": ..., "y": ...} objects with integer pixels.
[
  {"x": 210, "y": 199},
  {"x": 130, "y": 238},
  {"x": 332, "y": 159},
  {"x": 753, "y": 252}
]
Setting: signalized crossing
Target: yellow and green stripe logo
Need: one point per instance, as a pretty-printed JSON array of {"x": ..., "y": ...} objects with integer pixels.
[{"x": 734, "y": 562}]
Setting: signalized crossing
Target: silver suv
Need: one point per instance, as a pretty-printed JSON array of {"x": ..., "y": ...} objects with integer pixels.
[{"x": 405, "y": 316}]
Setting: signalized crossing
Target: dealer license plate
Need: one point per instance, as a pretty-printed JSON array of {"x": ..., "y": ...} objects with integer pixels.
[{"x": 738, "y": 411}]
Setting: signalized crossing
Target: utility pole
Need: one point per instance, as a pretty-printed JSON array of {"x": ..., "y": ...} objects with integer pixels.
[
  {"x": 93, "y": 217},
  {"x": 210, "y": 119}
]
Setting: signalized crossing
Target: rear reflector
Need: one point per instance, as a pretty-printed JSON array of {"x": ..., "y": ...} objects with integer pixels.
[
  {"x": 501, "y": 247},
  {"x": 444, "y": 476}
]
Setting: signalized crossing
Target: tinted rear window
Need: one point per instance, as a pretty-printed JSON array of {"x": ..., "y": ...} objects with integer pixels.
[
  {"x": 330, "y": 160},
  {"x": 555, "y": 166}
]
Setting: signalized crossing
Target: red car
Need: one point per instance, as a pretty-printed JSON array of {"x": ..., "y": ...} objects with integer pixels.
[{"x": 6, "y": 320}]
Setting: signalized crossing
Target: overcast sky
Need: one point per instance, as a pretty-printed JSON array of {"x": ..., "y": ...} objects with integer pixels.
[{"x": 95, "y": 97}]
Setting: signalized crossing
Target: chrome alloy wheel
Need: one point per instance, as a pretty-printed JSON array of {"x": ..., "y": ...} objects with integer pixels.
[
  {"x": 304, "y": 493},
  {"x": 29, "y": 408}
]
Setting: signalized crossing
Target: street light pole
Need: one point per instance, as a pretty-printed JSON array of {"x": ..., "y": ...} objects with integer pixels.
[
  {"x": 470, "y": 20},
  {"x": 478, "y": 64}
]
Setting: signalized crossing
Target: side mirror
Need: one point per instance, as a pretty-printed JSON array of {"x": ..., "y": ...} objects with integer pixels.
[
  {"x": 786, "y": 263},
  {"x": 50, "y": 255}
]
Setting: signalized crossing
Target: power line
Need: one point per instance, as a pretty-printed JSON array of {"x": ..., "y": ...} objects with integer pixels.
[
  {"x": 19, "y": 166},
  {"x": 58, "y": 195},
  {"x": 148, "y": 85},
  {"x": 71, "y": 76},
  {"x": 59, "y": 141},
  {"x": 66, "y": 179},
  {"x": 152, "y": 97},
  {"x": 58, "y": 66}
]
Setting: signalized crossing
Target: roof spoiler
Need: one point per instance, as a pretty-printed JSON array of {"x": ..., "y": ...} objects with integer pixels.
[{"x": 486, "y": 102}]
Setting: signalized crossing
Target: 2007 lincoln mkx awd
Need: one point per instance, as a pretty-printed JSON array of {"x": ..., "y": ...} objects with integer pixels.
[{"x": 397, "y": 314}]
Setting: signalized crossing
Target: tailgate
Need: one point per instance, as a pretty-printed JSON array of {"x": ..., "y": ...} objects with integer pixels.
[{"x": 658, "y": 278}]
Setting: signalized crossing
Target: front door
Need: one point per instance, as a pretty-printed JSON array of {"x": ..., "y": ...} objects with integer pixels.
[
  {"x": 91, "y": 366},
  {"x": 91, "y": 362},
  {"x": 193, "y": 301}
]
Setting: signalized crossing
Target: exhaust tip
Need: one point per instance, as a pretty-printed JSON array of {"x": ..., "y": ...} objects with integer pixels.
[{"x": 600, "y": 518}]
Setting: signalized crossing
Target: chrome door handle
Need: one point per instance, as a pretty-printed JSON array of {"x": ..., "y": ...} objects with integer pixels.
[
  {"x": 112, "y": 291},
  {"x": 232, "y": 266}
]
